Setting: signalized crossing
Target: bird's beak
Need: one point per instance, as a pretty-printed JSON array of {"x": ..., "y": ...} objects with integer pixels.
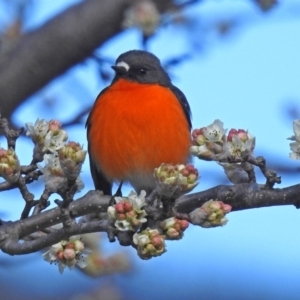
[{"x": 119, "y": 70}]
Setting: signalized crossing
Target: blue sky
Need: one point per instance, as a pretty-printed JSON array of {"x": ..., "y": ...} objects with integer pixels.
[{"x": 245, "y": 79}]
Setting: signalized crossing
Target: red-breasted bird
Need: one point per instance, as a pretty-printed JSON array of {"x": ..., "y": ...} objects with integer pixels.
[{"x": 137, "y": 123}]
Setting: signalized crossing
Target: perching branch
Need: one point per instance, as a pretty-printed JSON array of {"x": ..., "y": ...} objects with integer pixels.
[
  {"x": 239, "y": 196},
  {"x": 61, "y": 175}
]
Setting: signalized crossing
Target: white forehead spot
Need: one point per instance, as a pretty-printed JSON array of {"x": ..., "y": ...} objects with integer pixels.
[{"x": 123, "y": 64}]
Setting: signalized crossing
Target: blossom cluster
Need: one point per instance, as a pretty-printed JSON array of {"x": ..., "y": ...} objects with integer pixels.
[
  {"x": 211, "y": 142},
  {"x": 63, "y": 160},
  {"x": 173, "y": 228},
  {"x": 9, "y": 165},
  {"x": 295, "y": 145},
  {"x": 150, "y": 243},
  {"x": 144, "y": 15},
  {"x": 47, "y": 136},
  {"x": 128, "y": 213},
  {"x": 67, "y": 253},
  {"x": 210, "y": 214},
  {"x": 174, "y": 180}
]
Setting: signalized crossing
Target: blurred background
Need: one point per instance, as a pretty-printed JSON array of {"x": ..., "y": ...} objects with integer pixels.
[{"x": 238, "y": 61}]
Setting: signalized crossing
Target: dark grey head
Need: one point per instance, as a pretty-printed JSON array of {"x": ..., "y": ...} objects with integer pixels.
[{"x": 140, "y": 66}]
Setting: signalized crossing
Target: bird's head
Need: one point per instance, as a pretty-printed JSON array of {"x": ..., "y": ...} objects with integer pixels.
[{"x": 140, "y": 66}]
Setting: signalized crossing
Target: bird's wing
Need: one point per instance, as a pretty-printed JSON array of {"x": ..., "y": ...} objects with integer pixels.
[
  {"x": 184, "y": 103},
  {"x": 100, "y": 181}
]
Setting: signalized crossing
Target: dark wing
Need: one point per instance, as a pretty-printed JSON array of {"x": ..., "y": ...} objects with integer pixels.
[
  {"x": 100, "y": 181},
  {"x": 184, "y": 103}
]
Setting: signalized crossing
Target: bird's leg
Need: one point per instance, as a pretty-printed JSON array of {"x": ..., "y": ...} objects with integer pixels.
[
  {"x": 167, "y": 206},
  {"x": 118, "y": 193}
]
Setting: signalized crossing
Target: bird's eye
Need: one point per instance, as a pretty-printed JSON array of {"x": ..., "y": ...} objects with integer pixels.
[{"x": 143, "y": 71}]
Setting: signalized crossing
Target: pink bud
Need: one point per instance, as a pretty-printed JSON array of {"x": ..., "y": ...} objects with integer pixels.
[
  {"x": 231, "y": 133},
  {"x": 69, "y": 254},
  {"x": 73, "y": 145},
  {"x": 60, "y": 255},
  {"x": 127, "y": 206},
  {"x": 119, "y": 207},
  {"x": 70, "y": 245},
  {"x": 54, "y": 125},
  {"x": 2, "y": 152},
  {"x": 185, "y": 172},
  {"x": 184, "y": 224},
  {"x": 243, "y": 135},
  {"x": 190, "y": 167},
  {"x": 226, "y": 208},
  {"x": 197, "y": 132},
  {"x": 157, "y": 241}
]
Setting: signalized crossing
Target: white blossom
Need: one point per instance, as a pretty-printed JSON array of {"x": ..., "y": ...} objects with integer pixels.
[{"x": 215, "y": 131}]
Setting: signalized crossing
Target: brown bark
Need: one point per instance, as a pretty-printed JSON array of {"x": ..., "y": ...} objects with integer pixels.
[{"x": 64, "y": 41}]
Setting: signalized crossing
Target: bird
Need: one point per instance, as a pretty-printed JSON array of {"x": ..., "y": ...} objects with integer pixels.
[{"x": 138, "y": 122}]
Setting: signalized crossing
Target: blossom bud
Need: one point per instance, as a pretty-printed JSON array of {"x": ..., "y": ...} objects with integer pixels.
[
  {"x": 198, "y": 136},
  {"x": 295, "y": 146},
  {"x": 127, "y": 207},
  {"x": 69, "y": 254},
  {"x": 72, "y": 151},
  {"x": 9, "y": 165},
  {"x": 210, "y": 214},
  {"x": 119, "y": 207},
  {"x": 149, "y": 243},
  {"x": 173, "y": 228},
  {"x": 144, "y": 15},
  {"x": 239, "y": 141},
  {"x": 60, "y": 255},
  {"x": 54, "y": 126},
  {"x": 208, "y": 141},
  {"x": 127, "y": 212},
  {"x": 172, "y": 181},
  {"x": 78, "y": 245},
  {"x": 70, "y": 246}
]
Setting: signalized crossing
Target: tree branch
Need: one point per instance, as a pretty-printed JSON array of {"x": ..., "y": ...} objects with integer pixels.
[
  {"x": 239, "y": 196},
  {"x": 64, "y": 41},
  {"x": 67, "y": 39}
]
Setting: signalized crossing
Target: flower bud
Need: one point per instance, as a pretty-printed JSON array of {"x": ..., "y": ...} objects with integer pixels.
[
  {"x": 210, "y": 214},
  {"x": 69, "y": 254},
  {"x": 173, "y": 228},
  {"x": 149, "y": 243},
  {"x": 127, "y": 212},
  {"x": 54, "y": 126},
  {"x": 172, "y": 181},
  {"x": 9, "y": 165}
]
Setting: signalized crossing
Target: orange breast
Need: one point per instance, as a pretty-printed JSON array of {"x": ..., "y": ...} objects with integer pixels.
[{"x": 135, "y": 128}]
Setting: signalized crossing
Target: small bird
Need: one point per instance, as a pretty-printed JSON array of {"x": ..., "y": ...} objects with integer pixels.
[{"x": 137, "y": 123}]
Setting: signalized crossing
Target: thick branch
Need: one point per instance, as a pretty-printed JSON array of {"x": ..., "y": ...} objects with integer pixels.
[
  {"x": 14, "y": 247},
  {"x": 239, "y": 196},
  {"x": 62, "y": 42}
]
